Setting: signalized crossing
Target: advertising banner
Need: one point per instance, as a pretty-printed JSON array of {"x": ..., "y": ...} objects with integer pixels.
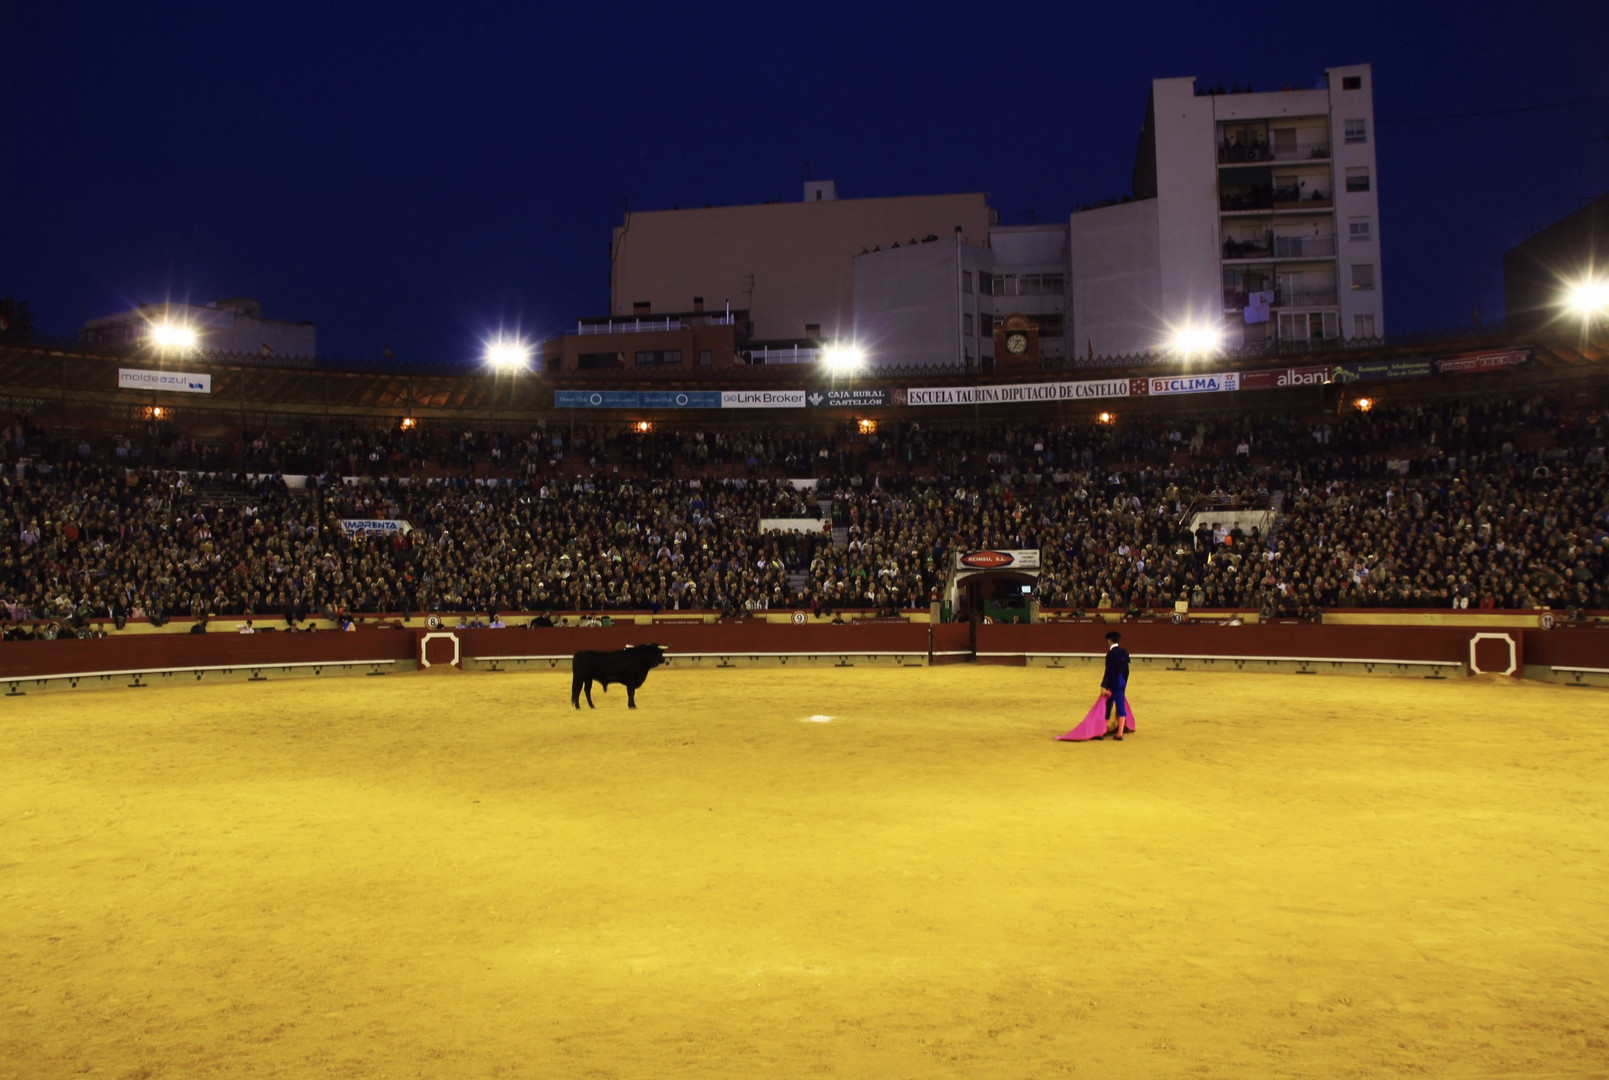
[
  {"x": 1019, "y": 393},
  {"x": 847, "y": 399},
  {"x": 994, "y": 559},
  {"x": 1282, "y": 378},
  {"x": 356, "y": 526},
  {"x": 636, "y": 399},
  {"x": 762, "y": 399},
  {"x": 1381, "y": 369},
  {"x": 184, "y": 382},
  {"x": 1473, "y": 363},
  {"x": 1193, "y": 384}
]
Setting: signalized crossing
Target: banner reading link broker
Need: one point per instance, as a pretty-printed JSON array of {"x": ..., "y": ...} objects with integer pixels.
[{"x": 1023, "y": 393}]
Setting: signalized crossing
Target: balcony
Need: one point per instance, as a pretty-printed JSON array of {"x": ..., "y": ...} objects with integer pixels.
[
  {"x": 1281, "y": 199},
  {"x": 1235, "y": 300},
  {"x": 650, "y": 326},
  {"x": 1280, "y": 247},
  {"x": 1233, "y": 154}
]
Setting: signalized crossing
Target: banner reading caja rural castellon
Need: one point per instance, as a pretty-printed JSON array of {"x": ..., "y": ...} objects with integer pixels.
[{"x": 1024, "y": 393}]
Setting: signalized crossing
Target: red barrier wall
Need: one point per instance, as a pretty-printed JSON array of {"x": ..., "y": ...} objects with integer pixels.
[
  {"x": 1206, "y": 639},
  {"x": 150, "y": 652},
  {"x": 733, "y": 639},
  {"x": 1574, "y": 646}
]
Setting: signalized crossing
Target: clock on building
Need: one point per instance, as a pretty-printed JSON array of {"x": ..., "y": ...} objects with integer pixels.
[{"x": 1016, "y": 339}]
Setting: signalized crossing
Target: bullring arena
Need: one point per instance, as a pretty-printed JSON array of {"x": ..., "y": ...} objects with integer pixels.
[
  {"x": 1360, "y": 830},
  {"x": 871, "y": 871}
]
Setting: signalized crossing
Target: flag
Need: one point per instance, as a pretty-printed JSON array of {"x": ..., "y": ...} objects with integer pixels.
[
  {"x": 385, "y": 351},
  {"x": 1089, "y": 345},
  {"x": 268, "y": 350}
]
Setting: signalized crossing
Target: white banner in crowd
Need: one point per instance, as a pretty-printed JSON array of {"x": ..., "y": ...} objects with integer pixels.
[
  {"x": 795, "y": 525},
  {"x": 355, "y": 526},
  {"x": 1014, "y": 393},
  {"x": 185, "y": 382}
]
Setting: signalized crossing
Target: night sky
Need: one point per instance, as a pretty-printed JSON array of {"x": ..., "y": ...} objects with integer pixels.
[{"x": 418, "y": 175}]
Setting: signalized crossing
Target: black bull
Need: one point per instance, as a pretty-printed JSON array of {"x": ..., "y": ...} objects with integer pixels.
[{"x": 628, "y": 667}]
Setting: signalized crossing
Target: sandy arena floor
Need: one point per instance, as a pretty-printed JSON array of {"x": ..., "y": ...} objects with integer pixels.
[{"x": 785, "y": 873}]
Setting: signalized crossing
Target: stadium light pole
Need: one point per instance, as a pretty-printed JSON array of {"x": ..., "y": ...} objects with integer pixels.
[
  {"x": 1588, "y": 299},
  {"x": 1193, "y": 341},
  {"x": 843, "y": 359},
  {"x": 504, "y": 353}
]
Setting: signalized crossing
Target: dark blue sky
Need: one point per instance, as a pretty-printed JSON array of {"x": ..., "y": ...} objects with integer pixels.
[{"x": 416, "y": 175}]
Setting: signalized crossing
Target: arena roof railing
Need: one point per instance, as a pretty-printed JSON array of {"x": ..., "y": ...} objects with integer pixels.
[{"x": 468, "y": 365}]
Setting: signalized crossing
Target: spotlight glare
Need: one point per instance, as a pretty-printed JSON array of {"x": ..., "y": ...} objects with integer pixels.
[
  {"x": 1363, "y": 404},
  {"x": 1589, "y": 297},
  {"x": 1195, "y": 339},
  {"x": 843, "y": 358},
  {"x": 507, "y": 353},
  {"x": 172, "y": 336}
]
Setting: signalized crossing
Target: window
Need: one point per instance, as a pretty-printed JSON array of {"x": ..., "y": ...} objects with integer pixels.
[
  {"x": 658, "y": 357},
  {"x": 589, "y": 361},
  {"x": 705, "y": 357},
  {"x": 1359, "y": 230},
  {"x": 1355, "y": 132},
  {"x": 1363, "y": 326},
  {"x": 966, "y": 281},
  {"x": 1357, "y": 179},
  {"x": 1362, "y": 276},
  {"x": 1051, "y": 326},
  {"x": 1309, "y": 326},
  {"x": 966, "y": 325},
  {"x": 1351, "y": 82},
  {"x": 985, "y": 283}
]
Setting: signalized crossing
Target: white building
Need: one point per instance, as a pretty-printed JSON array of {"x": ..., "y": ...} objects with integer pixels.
[
  {"x": 233, "y": 325},
  {"x": 1258, "y": 212},
  {"x": 937, "y": 304}
]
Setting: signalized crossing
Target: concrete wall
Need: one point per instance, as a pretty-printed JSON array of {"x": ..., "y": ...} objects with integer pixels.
[
  {"x": 1116, "y": 280},
  {"x": 788, "y": 264},
  {"x": 1187, "y": 203},
  {"x": 1356, "y": 206},
  {"x": 906, "y": 305}
]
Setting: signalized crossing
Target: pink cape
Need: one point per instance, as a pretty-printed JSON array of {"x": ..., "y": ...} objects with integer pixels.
[{"x": 1094, "y": 723}]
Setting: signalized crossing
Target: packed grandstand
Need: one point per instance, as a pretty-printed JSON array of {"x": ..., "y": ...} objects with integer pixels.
[{"x": 1493, "y": 495}]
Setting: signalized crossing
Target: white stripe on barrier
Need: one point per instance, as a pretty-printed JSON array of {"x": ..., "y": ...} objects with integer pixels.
[
  {"x": 1194, "y": 656},
  {"x": 263, "y": 666}
]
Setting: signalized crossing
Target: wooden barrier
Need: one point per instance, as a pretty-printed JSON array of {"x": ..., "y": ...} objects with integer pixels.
[
  {"x": 139, "y": 659},
  {"x": 1578, "y": 655}
]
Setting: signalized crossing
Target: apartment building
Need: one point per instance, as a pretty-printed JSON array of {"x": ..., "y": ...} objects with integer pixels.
[{"x": 1253, "y": 212}]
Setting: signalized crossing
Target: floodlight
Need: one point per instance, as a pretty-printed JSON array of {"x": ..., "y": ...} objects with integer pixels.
[
  {"x": 507, "y": 353},
  {"x": 1195, "y": 339},
  {"x": 1363, "y": 404},
  {"x": 1589, "y": 297},
  {"x": 843, "y": 358},
  {"x": 173, "y": 336}
]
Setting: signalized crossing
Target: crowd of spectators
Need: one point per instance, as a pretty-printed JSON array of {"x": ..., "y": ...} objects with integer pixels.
[{"x": 1499, "y": 504}]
